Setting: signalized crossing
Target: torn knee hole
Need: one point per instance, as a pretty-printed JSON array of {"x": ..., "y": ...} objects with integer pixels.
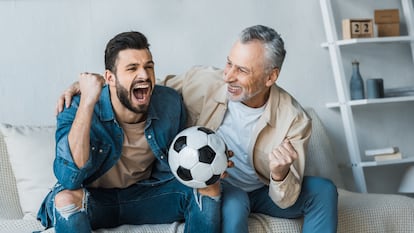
[{"x": 68, "y": 202}]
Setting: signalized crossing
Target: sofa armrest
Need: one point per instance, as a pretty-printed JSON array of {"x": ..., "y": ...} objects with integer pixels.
[{"x": 368, "y": 212}]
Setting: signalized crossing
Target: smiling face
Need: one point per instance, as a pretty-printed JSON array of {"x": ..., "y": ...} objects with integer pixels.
[
  {"x": 134, "y": 80},
  {"x": 245, "y": 74}
]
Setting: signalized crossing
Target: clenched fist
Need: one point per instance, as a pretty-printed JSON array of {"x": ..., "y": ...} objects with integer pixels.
[{"x": 281, "y": 158}]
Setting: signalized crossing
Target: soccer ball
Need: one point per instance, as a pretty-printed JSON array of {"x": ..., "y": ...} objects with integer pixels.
[{"x": 197, "y": 157}]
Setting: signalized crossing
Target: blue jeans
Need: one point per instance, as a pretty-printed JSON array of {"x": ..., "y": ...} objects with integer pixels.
[
  {"x": 141, "y": 204},
  {"x": 317, "y": 203}
]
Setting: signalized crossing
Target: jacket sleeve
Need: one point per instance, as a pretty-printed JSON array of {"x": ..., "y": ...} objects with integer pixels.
[
  {"x": 285, "y": 193},
  {"x": 65, "y": 169}
]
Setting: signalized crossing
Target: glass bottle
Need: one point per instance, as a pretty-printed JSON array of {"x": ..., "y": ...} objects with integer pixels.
[{"x": 356, "y": 84}]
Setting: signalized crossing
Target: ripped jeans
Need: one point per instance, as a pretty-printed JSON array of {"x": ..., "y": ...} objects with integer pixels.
[{"x": 138, "y": 204}]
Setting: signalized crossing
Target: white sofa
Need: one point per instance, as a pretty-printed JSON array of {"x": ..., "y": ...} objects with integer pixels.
[{"x": 26, "y": 155}]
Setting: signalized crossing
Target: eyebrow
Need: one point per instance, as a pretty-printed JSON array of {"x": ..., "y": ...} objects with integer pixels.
[{"x": 151, "y": 62}]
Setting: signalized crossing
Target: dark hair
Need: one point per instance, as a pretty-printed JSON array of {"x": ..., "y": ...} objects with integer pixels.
[
  {"x": 122, "y": 41},
  {"x": 273, "y": 44}
]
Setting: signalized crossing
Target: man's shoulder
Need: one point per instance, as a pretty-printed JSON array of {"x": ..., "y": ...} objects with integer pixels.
[
  {"x": 288, "y": 103},
  {"x": 165, "y": 94},
  {"x": 160, "y": 90},
  {"x": 205, "y": 73}
]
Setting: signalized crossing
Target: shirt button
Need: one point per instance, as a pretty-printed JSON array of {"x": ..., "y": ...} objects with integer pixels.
[
  {"x": 100, "y": 150},
  {"x": 93, "y": 148},
  {"x": 162, "y": 156},
  {"x": 149, "y": 136}
]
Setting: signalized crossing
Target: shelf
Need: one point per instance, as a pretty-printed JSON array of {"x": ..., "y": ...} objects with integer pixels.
[
  {"x": 373, "y": 40},
  {"x": 335, "y": 47},
  {"x": 372, "y": 101},
  {"x": 388, "y": 162}
]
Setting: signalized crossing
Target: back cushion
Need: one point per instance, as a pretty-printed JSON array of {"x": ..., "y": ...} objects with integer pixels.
[{"x": 31, "y": 154}]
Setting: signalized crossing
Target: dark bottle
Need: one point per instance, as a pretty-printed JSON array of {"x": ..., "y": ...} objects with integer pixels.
[{"x": 356, "y": 84}]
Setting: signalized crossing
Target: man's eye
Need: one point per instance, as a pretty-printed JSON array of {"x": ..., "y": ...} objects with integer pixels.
[{"x": 131, "y": 69}]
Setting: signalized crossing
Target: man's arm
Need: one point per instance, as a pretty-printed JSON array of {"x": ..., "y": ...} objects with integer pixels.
[
  {"x": 78, "y": 137},
  {"x": 287, "y": 164}
]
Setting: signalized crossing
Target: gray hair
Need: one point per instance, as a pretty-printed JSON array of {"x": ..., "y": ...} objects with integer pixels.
[{"x": 273, "y": 44}]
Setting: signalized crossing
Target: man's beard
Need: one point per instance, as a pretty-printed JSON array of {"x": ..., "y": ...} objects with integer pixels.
[{"x": 123, "y": 95}]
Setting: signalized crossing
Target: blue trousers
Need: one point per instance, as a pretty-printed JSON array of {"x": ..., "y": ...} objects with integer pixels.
[
  {"x": 140, "y": 204},
  {"x": 317, "y": 203}
]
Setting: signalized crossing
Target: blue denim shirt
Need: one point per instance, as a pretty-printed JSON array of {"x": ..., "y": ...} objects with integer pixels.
[{"x": 166, "y": 118}]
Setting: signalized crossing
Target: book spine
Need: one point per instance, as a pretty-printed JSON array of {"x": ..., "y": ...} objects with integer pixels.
[
  {"x": 385, "y": 157},
  {"x": 387, "y": 150}
]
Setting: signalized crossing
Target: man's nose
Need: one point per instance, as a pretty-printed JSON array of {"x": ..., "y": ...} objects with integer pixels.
[
  {"x": 229, "y": 74},
  {"x": 142, "y": 74}
]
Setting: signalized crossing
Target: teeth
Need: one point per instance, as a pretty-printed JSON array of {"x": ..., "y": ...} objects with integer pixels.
[{"x": 141, "y": 86}]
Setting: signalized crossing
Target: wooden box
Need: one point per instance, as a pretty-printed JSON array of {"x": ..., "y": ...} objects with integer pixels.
[
  {"x": 387, "y": 16},
  {"x": 388, "y": 29},
  {"x": 388, "y": 22},
  {"x": 357, "y": 28}
]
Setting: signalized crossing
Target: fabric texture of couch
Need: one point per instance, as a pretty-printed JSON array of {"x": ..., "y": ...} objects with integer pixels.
[{"x": 26, "y": 154}]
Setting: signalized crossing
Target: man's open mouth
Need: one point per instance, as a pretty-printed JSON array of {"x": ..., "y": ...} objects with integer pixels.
[
  {"x": 233, "y": 90},
  {"x": 141, "y": 91}
]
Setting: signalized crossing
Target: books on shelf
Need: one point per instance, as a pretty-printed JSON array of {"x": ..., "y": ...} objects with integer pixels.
[
  {"x": 399, "y": 91},
  {"x": 382, "y": 151},
  {"x": 386, "y": 157}
]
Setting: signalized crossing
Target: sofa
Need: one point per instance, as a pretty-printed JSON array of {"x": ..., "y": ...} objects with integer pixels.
[{"x": 26, "y": 157}]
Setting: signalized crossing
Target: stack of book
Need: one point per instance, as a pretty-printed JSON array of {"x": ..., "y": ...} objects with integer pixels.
[{"x": 384, "y": 154}]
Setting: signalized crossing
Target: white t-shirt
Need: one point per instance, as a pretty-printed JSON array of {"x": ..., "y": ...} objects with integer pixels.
[{"x": 236, "y": 130}]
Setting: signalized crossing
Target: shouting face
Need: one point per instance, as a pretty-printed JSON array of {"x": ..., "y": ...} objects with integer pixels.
[{"x": 134, "y": 79}]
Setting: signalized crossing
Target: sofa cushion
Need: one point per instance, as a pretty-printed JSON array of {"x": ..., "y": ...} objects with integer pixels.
[{"x": 31, "y": 154}]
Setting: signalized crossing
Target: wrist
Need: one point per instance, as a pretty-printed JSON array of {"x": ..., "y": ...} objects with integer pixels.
[
  {"x": 211, "y": 190},
  {"x": 278, "y": 177}
]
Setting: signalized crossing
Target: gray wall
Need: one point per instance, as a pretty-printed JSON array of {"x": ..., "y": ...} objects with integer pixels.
[{"x": 45, "y": 44}]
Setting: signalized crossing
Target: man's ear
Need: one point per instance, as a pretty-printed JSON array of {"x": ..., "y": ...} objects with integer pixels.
[
  {"x": 109, "y": 77},
  {"x": 274, "y": 74}
]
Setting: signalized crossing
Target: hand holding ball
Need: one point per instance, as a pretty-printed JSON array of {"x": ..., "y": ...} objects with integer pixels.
[{"x": 198, "y": 157}]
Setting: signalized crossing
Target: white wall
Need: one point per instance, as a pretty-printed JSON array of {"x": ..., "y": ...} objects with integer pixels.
[{"x": 45, "y": 44}]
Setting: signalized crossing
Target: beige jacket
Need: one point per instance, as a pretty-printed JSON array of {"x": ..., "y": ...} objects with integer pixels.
[{"x": 205, "y": 96}]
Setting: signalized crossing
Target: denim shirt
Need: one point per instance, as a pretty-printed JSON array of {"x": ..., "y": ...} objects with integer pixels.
[{"x": 166, "y": 117}]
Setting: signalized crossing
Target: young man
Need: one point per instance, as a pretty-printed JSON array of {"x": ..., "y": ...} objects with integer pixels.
[
  {"x": 265, "y": 127},
  {"x": 111, "y": 147}
]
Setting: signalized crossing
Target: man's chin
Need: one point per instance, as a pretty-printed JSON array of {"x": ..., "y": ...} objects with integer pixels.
[{"x": 233, "y": 98}]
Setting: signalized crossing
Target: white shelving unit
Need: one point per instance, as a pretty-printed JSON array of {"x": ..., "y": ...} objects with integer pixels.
[{"x": 344, "y": 103}]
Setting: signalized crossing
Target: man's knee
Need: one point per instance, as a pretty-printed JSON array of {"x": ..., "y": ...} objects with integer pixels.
[
  {"x": 68, "y": 202},
  {"x": 67, "y": 197},
  {"x": 322, "y": 187}
]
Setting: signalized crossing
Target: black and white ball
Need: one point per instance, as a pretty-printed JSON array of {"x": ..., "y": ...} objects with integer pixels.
[{"x": 197, "y": 157}]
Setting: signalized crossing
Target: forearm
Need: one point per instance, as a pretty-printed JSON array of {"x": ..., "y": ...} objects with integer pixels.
[
  {"x": 79, "y": 134},
  {"x": 285, "y": 193}
]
